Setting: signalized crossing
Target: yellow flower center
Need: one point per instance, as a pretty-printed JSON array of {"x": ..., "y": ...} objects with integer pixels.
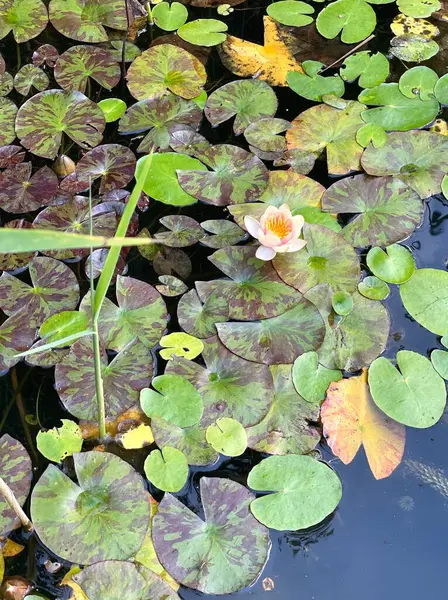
[{"x": 279, "y": 225}]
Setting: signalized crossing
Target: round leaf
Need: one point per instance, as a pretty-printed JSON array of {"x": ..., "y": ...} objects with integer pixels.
[
  {"x": 199, "y": 319},
  {"x": 180, "y": 344},
  {"x": 439, "y": 359},
  {"x": 373, "y": 288},
  {"x": 291, "y": 12},
  {"x": 394, "y": 265},
  {"x": 29, "y": 77},
  {"x": 424, "y": 298},
  {"x": 8, "y": 112},
  {"x": 167, "y": 469},
  {"x": 25, "y": 18},
  {"x": 311, "y": 379},
  {"x": 441, "y": 90},
  {"x": 60, "y": 442},
  {"x": 227, "y": 437},
  {"x": 418, "y": 8},
  {"x": 189, "y": 440},
  {"x": 84, "y": 20},
  {"x": 113, "y": 109},
  {"x": 113, "y": 163},
  {"x": 74, "y": 67},
  {"x": 354, "y": 18},
  {"x": 342, "y": 303},
  {"x": 413, "y": 48},
  {"x": 203, "y": 32},
  {"x": 418, "y": 81},
  {"x": 169, "y": 17}
]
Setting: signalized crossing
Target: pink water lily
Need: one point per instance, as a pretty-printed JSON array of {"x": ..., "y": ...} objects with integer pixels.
[{"x": 277, "y": 231}]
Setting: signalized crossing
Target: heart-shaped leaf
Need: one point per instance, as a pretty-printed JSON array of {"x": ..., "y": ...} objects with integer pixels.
[
  {"x": 183, "y": 231},
  {"x": 311, "y": 379},
  {"x": 311, "y": 85},
  {"x": 113, "y": 109},
  {"x": 63, "y": 324},
  {"x": 372, "y": 70},
  {"x": 203, "y": 32},
  {"x": 227, "y": 437},
  {"x": 17, "y": 335},
  {"x": 439, "y": 359},
  {"x": 425, "y": 299},
  {"x": 373, "y": 288},
  {"x": 171, "y": 286},
  {"x": 45, "y": 55},
  {"x": 175, "y": 400},
  {"x": 189, "y": 440},
  {"x": 84, "y": 20},
  {"x": 225, "y": 233},
  {"x": 60, "y": 442},
  {"x": 15, "y": 467},
  {"x": 74, "y": 67},
  {"x": 25, "y": 18},
  {"x": 394, "y": 265},
  {"x": 418, "y": 81},
  {"x": 291, "y": 12},
  {"x": 29, "y": 77},
  {"x": 167, "y": 469},
  {"x": 22, "y": 192},
  {"x": 198, "y": 318},
  {"x": 263, "y": 139},
  {"x": 354, "y": 18},
  {"x": 114, "y": 163},
  {"x": 180, "y": 344},
  {"x": 169, "y": 17}
]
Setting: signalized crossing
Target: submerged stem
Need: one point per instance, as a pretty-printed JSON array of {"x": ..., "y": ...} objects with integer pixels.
[
  {"x": 10, "y": 498},
  {"x": 19, "y": 57}
]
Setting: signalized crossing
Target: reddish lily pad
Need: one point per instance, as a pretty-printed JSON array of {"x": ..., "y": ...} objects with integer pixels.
[
  {"x": 45, "y": 55},
  {"x": 13, "y": 262},
  {"x": 237, "y": 176},
  {"x": 197, "y": 318},
  {"x": 189, "y": 440},
  {"x": 326, "y": 258},
  {"x": 11, "y": 155},
  {"x": 22, "y": 192},
  {"x": 6, "y": 84},
  {"x": 166, "y": 67},
  {"x": 16, "y": 470},
  {"x": 29, "y": 77},
  {"x": 98, "y": 258},
  {"x": 25, "y": 18},
  {"x": 84, "y": 20},
  {"x": 254, "y": 290},
  {"x": 17, "y": 335},
  {"x": 159, "y": 115},
  {"x": 74, "y": 67},
  {"x": 390, "y": 210},
  {"x": 183, "y": 231},
  {"x": 199, "y": 556},
  {"x": 286, "y": 428},
  {"x": 8, "y": 112},
  {"x": 187, "y": 141},
  {"x": 114, "y": 163},
  {"x": 43, "y": 119},
  {"x": 278, "y": 340}
]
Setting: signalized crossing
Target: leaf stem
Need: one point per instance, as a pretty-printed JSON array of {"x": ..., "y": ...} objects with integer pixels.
[
  {"x": 19, "y": 57},
  {"x": 352, "y": 51},
  {"x": 10, "y": 498}
]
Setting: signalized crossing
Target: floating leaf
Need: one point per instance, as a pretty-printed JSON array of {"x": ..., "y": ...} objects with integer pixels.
[
  {"x": 45, "y": 55},
  {"x": 418, "y": 81},
  {"x": 63, "y": 324},
  {"x": 311, "y": 380},
  {"x": 175, "y": 400},
  {"x": 403, "y": 25},
  {"x": 424, "y": 298},
  {"x": 286, "y": 428},
  {"x": 354, "y": 18},
  {"x": 11, "y": 156},
  {"x": 167, "y": 469},
  {"x": 166, "y": 67},
  {"x": 390, "y": 210},
  {"x": 227, "y": 436},
  {"x": 114, "y": 163},
  {"x": 84, "y": 20},
  {"x": 247, "y": 100},
  {"x": 372, "y": 69},
  {"x": 171, "y": 286},
  {"x": 342, "y": 303},
  {"x": 29, "y": 77},
  {"x": 74, "y": 67},
  {"x": 25, "y": 18},
  {"x": 441, "y": 90},
  {"x": 373, "y": 288},
  {"x": 183, "y": 231},
  {"x": 113, "y": 109},
  {"x": 169, "y": 17},
  {"x": 351, "y": 419},
  {"x": 79, "y": 522},
  {"x": 418, "y": 8},
  {"x": 189, "y": 440},
  {"x": 394, "y": 265},
  {"x": 172, "y": 261},
  {"x": 60, "y": 442},
  {"x": 291, "y": 12},
  {"x": 313, "y": 86},
  {"x": 263, "y": 139},
  {"x": 226, "y": 233},
  {"x": 15, "y": 467},
  {"x": 180, "y": 344},
  {"x": 439, "y": 359},
  {"x": 136, "y": 438},
  {"x": 203, "y": 32},
  {"x": 8, "y": 112},
  {"x": 17, "y": 335},
  {"x": 21, "y": 191},
  {"x": 413, "y": 48},
  {"x": 414, "y": 396},
  {"x": 305, "y": 492},
  {"x": 371, "y": 133},
  {"x": 6, "y": 84},
  {"x": 187, "y": 141},
  {"x": 198, "y": 318},
  {"x": 43, "y": 119},
  {"x": 12, "y": 262},
  {"x": 199, "y": 557}
]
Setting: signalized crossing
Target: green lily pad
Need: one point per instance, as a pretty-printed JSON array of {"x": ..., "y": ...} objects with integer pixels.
[
  {"x": 16, "y": 470},
  {"x": 342, "y": 303},
  {"x": 196, "y": 552},
  {"x": 356, "y": 340},
  {"x": 315, "y": 216},
  {"x": 8, "y": 112},
  {"x": 389, "y": 210},
  {"x": 29, "y": 77},
  {"x": 198, "y": 318},
  {"x": 254, "y": 290},
  {"x": 394, "y": 265},
  {"x": 418, "y": 81},
  {"x": 169, "y": 17},
  {"x": 85, "y": 20},
  {"x": 326, "y": 128},
  {"x": 203, "y": 32},
  {"x": 441, "y": 90},
  {"x": 305, "y": 492},
  {"x": 395, "y": 111},
  {"x": 74, "y": 67},
  {"x": 60, "y": 442},
  {"x": 175, "y": 400},
  {"x": 354, "y": 18},
  {"x": 165, "y": 68},
  {"x": 311, "y": 85},
  {"x": 227, "y": 436},
  {"x": 183, "y": 231},
  {"x": 25, "y": 18},
  {"x": 418, "y": 8},
  {"x": 225, "y": 384},
  {"x": 373, "y": 288},
  {"x": 79, "y": 522},
  {"x": 286, "y": 428},
  {"x": 415, "y": 396},
  {"x": 278, "y": 340},
  {"x": 413, "y": 48},
  {"x": 63, "y": 324},
  {"x": 291, "y": 12},
  {"x": 167, "y": 469},
  {"x": 424, "y": 297},
  {"x": 418, "y": 158},
  {"x": 247, "y": 100},
  {"x": 225, "y": 233},
  {"x": 311, "y": 379},
  {"x": 372, "y": 69},
  {"x": 237, "y": 176},
  {"x": 180, "y": 344},
  {"x": 113, "y": 109},
  {"x": 439, "y": 359},
  {"x": 43, "y": 119},
  {"x": 162, "y": 181},
  {"x": 326, "y": 258},
  {"x": 189, "y": 440},
  {"x": 113, "y": 163},
  {"x": 371, "y": 133},
  {"x": 263, "y": 139}
]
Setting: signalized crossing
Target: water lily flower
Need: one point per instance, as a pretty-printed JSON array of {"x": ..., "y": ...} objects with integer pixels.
[{"x": 277, "y": 231}]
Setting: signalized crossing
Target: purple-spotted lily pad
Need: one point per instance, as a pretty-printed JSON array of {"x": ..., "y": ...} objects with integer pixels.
[
  {"x": 25, "y": 18},
  {"x": 29, "y": 77},
  {"x": 98, "y": 258},
  {"x": 418, "y": 158},
  {"x": 225, "y": 233},
  {"x": 129, "y": 372},
  {"x": 102, "y": 517},
  {"x": 220, "y": 554},
  {"x": 254, "y": 290},
  {"x": 189, "y": 440},
  {"x": 54, "y": 289},
  {"x": 286, "y": 428},
  {"x": 15, "y": 469},
  {"x": 43, "y": 119},
  {"x": 187, "y": 141},
  {"x": 158, "y": 115},
  {"x": 6, "y": 83},
  {"x": 390, "y": 210},
  {"x": 78, "y": 63},
  {"x": 263, "y": 139},
  {"x": 237, "y": 176},
  {"x": 279, "y": 340},
  {"x": 326, "y": 258},
  {"x": 10, "y": 156},
  {"x": 13, "y": 262},
  {"x": 183, "y": 231},
  {"x": 114, "y": 163},
  {"x": 226, "y": 383},
  {"x": 172, "y": 261},
  {"x": 22, "y": 192},
  {"x": 84, "y": 20},
  {"x": 199, "y": 319},
  {"x": 8, "y": 112},
  {"x": 17, "y": 335},
  {"x": 354, "y": 342},
  {"x": 165, "y": 68},
  {"x": 247, "y": 100},
  {"x": 171, "y": 286},
  {"x": 45, "y": 55}
]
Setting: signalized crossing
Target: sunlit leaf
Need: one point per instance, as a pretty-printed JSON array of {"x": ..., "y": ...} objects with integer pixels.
[
  {"x": 311, "y": 379},
  {"x": 60, "y": 442},
  {"x": 8, "y": 112},
  {"x": 167, "y": 469},
  {"x": 394, "y": 265},
  {"x": 63, "y": 324},
  {"x": 313, "y": 86},
  {"x": 113, "y": 109},
  {"x": 372, "y": 69},
  {"x": 373, "y": 288},
  {"x": 203, "y": 32},
  {"x": 180, "y": 344},
  {"x": 371, "y": 133},
  {"x": 424, "y": 298},
  {"x": 175, "y": 400},
  {"x": 263, "y": 139},
  {"x": 291, "y": 12},
  {"x": 354, "y": 18},
  {"x": 418, "y": 81},
  {"x": 439, "y": 359},
  {"x": 227, "y": 436},
  {"x": 190, "y": 440},
  {"x": 418, "y": 8},
  {"x": 171, "y": 286},
  {"x": 15, "y": 468},
  {"x": 403, "y": 25},
  {"x": 169, "y": 17},
  {"x": 441, "y": 90}
]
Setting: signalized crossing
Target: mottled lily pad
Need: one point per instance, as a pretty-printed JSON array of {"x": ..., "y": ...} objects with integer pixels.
[
  {"x": 413, "y": 48},
  {"x": 8, "y": 112},
  {"x": 171, "y": 286},
  {"x": 199, "y": 555},
  {"x": 263, "y": 139},
  {"x": 45, "y": 55},
  {"x": 190, "y": 440},
  {"x": 29, "y": 77},
  {"x": 11, "y": 155},
  {"x": 225, "y": 233},
  {"x": 182, "y": 231},
  {"x": 84, "y": 20},
  {"x": 198, "y": 318},
  {"x": 25, "y": 18},
  {"x": 79, "y": 522},
  {"x": 12, "y": 262},
  {"x": 74, "y": 67},
  {"x": 425, "y": 298},
  {"x": 113, "y": 163},
  {"x": 17, "y": 335},
  {"x": 22, "y": 192},
  {"x": 15, "y": 468}
]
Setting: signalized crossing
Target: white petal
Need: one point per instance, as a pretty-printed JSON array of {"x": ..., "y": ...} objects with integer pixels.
[
  {"x": 251, "y": 225},
  {"x": 265, "y": 253},
  {"x": 296, "y": 245}
]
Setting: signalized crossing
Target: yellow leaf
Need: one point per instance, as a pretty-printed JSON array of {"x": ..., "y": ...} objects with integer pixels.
[
  {"x": 270, "y": 62},
  {"x": 136, "y": 438},
  {"x": 2, "y": 566},
  {"x": 77, "y": 593},
  {"x": 440, "y": 126},
  {"x": 11, "y": 548},
  {"x": 403, "y": 25},
  {"x": 132, "y": 417}
]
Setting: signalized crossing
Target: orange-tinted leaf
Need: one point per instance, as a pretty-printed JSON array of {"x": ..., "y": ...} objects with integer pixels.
[
  {"x": 270, "y": 62},
  {"x": 350, "y": 418}
]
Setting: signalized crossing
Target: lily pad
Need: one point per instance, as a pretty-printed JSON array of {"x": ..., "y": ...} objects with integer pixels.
[
  {"x": 199, "y": 555},
  {"x": 311, "y": 85},
  {"x": 6, "y": 84},
  {"x": 203, "y": 32},
  {"x": 25, "y": 18},
  {"x": 198, "y": 318},
  {"x": 183, "y": 231},
  {"x": 169, "y": 17},
  {"x": 373, "y": 288},
  {"x": 372, "y": 69},
  {"x": 418, "y": 81},
  {"x": 13, "y": 262},
  {"x": 74, "y": 67},
  {"x": 247, "y": 100},
  {"x": 413, "y": 48},
  {"x": 305, "y": 492},
  {"x": 29, "y": 77},
  {"x": 390, "y": 210},
  {"x": 439, "y": 359},
  {"x": 227, "y": 436},
  {"x": 414, "y": 396},
  {"x": 113, "y": 109},
  {"x": 45, "y": 55},
  {"x": 311, "y": 379},
  {"x": 342, "y": 303},
  {"x": 17, "y": 335},
  {"x": 354, "y": 18},
  {"x": 225, "y": 233},
  {"x": 291, "y": 12},
  {"x": 263, "y": 139},
  {"x": 85, "y": 20},
  {"x": 286, "y": 428},
  {"x": 180, "y": 344},
  {"x": 425, "y": 299},
  {"x": 8, "y": 112},
  {"x": 441, "y": 90},
  {"x": 189, "y": 440},
  {"x": 21, "y": 191},
  {"x": 418, "y": 8},
  {"x": 394, "y": 265},
  {"x": 113, "y": 163},
  {"x": 371, "y": 133},
  {"x": 171, "y": 286},
  {"x": 167, "y": 469},
  {"x": 43, "y": 119},
  {"x": 60, "y": 442},
  {"x": 16, "y": 470},
  {"x": 79, "y": 522}
]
